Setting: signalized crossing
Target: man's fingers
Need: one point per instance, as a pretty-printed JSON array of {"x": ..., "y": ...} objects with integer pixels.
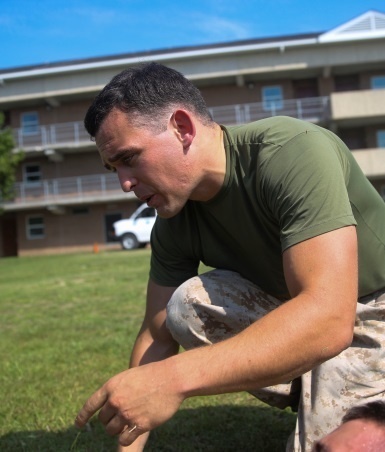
[
  {"x": 129, "y": 435},
  {"x": 93, "y": 404},
  {"x": 106, "y": 414},
  {"x": 115, "y": 425}
]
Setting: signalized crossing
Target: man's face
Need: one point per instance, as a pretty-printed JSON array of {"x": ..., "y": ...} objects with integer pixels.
[
  {"x": 358, "y": 435},
  {"x": 154, "y": 166}
]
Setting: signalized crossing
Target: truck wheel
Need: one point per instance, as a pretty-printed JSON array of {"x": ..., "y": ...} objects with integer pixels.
[{"x": 129, "y": 241}]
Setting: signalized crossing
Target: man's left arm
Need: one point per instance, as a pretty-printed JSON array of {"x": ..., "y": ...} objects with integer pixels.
[{"x": 312, "y": 327}]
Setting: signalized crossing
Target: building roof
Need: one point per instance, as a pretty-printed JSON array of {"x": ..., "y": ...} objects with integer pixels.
[
  {"x": 191, "y": 50},
  {"x": 369, "y": 25}
]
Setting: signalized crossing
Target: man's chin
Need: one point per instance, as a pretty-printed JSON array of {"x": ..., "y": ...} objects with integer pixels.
[{"x": 166, "y": 213}]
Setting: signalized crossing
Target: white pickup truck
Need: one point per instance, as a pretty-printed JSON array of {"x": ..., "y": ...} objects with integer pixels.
[{"x": 135, "y": 231}]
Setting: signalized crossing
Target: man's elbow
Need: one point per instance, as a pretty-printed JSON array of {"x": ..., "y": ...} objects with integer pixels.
[
  {"x": 346, "y": 339},
  {"x": 340, "y": 321},
  {"x": 342, "y": 337}
]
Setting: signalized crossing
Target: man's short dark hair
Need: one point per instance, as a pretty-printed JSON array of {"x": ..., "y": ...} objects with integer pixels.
[
  {"x": 146, "y": 92},
  {"x": 372, "y": 411}
]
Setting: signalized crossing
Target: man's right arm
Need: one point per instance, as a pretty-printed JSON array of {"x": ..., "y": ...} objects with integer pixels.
[{"x": 154, "y": 341}]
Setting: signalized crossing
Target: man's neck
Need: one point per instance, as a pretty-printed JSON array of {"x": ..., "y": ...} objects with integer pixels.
[{"x": 212, "y": 162}]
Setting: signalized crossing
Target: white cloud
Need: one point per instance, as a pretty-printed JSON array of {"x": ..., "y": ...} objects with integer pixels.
[{"x": 218, "y": 28}]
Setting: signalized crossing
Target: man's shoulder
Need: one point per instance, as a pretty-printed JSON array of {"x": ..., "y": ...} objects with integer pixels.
[{"x": 275, "y": 130}]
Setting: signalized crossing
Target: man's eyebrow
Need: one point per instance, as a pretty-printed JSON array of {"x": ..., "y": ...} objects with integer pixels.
[
  {"x": 119, "y": 155},
  {"x": 123, "y": 153},
  {"x": 107, "y": 163}
]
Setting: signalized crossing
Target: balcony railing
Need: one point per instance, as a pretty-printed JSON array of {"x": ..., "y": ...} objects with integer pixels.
[
  {"x": 314, "y": 109},
  {"x": 106, "y": 186},
  {"x": 71, "y": 133},
  {"x": 66, "y": 190}
]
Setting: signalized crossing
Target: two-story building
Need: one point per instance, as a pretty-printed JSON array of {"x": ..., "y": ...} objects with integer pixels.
[{"x": 65, "y": 201}]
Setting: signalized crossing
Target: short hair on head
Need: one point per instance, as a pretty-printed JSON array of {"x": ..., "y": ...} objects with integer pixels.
[
  {"x": 372, "y": 411},
  {"x": 147, "y": 92}
]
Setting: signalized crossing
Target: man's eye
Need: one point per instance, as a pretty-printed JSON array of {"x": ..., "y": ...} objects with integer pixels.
[
  {"x": 128, "y": 160},
  {"x": 110, "y": 168}
]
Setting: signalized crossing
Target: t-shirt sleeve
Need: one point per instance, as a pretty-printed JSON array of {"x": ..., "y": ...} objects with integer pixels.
[{"x": 304, "y": 185}]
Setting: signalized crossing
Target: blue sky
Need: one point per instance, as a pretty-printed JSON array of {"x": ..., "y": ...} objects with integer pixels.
[{"x": 47, "y": 31}]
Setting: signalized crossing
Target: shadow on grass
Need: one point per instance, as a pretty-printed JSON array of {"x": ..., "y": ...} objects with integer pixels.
[{"x": 207, "y": 429}]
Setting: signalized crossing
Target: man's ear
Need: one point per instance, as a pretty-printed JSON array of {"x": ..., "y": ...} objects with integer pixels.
[{"x": 184, "y": 127}]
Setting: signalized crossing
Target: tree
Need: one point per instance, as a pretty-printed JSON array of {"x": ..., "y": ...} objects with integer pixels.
[{"x": 8, "y": 161}]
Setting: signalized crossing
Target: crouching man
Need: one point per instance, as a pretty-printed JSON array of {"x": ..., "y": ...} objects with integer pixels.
[{"x": 294, "y": 309}]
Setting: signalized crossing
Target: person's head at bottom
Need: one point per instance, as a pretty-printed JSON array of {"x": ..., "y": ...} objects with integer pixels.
[{"x": 362, "y": 430}]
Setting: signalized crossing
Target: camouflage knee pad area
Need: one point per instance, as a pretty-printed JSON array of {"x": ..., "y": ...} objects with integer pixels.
[{"x": 217, "y": 305}]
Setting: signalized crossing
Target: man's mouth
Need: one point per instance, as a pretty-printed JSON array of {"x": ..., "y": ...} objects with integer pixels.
[{"x": 146, "y": 199}]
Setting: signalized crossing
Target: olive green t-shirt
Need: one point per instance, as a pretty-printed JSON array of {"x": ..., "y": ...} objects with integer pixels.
[{"x": 286, "y": 181}]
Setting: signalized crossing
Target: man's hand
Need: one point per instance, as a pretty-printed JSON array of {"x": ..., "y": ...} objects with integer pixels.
[
  {"x": 137, "y": 400},
  {"x": 134, "y": 402}
]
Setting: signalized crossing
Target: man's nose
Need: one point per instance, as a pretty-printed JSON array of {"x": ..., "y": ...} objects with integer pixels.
[{"x": 127, "y": 181}]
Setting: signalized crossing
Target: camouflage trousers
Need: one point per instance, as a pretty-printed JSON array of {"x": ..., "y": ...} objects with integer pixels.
[{"x": 217, "y": 305}]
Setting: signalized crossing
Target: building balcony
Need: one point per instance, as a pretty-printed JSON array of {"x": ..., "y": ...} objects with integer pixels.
[
  {"x": 54, "y": 194},
  {"x": 312, "y": 109},
  {"x": 371, "y": 161},
  {"x": 55, "y": 136},
  {"x": 358, "y": 106},
  {"x": 73, "y": 134}
]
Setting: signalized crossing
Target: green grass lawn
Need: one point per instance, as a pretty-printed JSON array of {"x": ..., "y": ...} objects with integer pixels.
[{"x": 67, "y": 324}]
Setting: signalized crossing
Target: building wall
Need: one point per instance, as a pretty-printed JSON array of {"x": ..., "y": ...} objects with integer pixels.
[
  {"x": 68, "y": 111},
  {"x": 74, "y": 164},
  {"x": 251, "y": 92},
  {"x": 224, "y": 78},
  {"x": 71, "y": 231}
]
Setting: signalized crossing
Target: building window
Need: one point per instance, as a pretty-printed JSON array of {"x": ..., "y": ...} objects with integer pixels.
[
  {"x": 30, "y": 123},
  {"x": 272, "y": 98},
  {"x": 378, "y": 82},
  {"x": 349, "y": 82},
  {"x": 32, "y": 173},
  {"x": 109, "y": 221},
  {"x": 381, "y": 138},
  {"x": 305, "y": 88},
  {"x": 354, "y": 138},
  {"x": 35, "y": 228}
]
